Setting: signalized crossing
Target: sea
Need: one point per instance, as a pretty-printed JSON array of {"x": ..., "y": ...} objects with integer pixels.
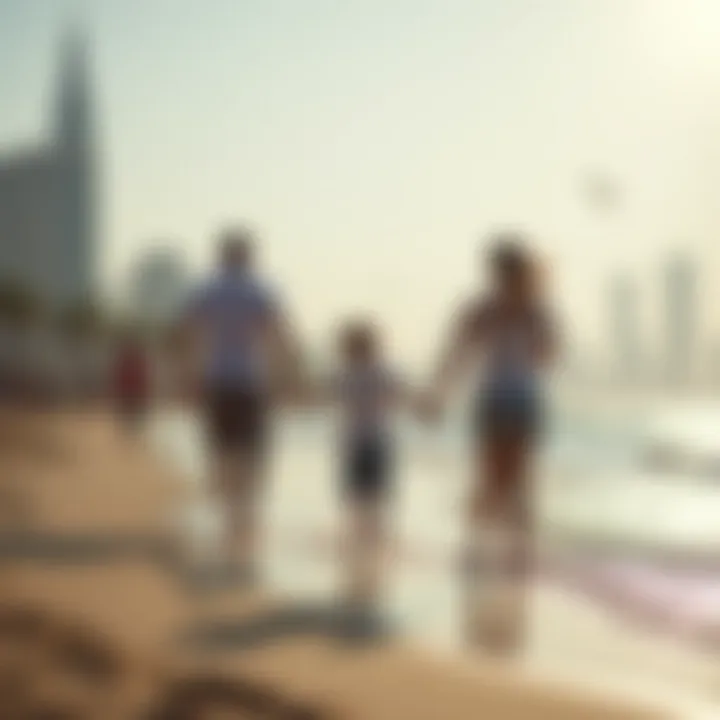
[
  {"x": 596, "y": 494},
  {"x": 600, "y": 503}
]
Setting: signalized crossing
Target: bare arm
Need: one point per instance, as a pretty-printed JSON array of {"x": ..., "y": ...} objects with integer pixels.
[
  {"x": 184, "y": 351},
  {"x": 317, "y": 393},
  {"x": 461, "y": 346},
  {"x": 286, "y": 357},
  {"x": 547, "y": 343},
  {"x": 284, "y": 345},
  {"x": 404, "y": 395}
]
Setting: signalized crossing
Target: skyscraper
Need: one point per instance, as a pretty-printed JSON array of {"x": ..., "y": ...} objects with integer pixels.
[
  {"x": 680, "y": 319},
  {"x": 48, "y": 208},
  {"x": 159, "y": 284},
  {"x": 625, "y": 329}
]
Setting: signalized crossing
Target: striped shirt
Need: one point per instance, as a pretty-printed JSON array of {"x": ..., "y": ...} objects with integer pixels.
[{"x": 366, "y": 397}]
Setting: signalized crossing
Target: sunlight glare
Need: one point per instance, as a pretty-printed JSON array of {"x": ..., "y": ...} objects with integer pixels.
[{"x": 684, "y": 33}]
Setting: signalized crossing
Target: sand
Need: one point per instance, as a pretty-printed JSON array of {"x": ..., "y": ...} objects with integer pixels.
[{"x": 97, "y": 621}]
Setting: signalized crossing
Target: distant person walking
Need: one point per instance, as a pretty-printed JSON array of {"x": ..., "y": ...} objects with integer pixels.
[
  {"x": 238, "y": 331},
  {"x": 131, "y": 383},
  {"x": 367, "y": 392},
  {"x": 505, "y": 337}
]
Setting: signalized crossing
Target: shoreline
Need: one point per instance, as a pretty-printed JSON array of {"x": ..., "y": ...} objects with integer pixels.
[
  {"x": 88, "y": 478},
  {"x": 563, "y": 569}
]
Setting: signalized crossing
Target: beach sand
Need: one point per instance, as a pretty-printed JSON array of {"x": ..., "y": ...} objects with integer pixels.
[{"x": 96, "y": 621}]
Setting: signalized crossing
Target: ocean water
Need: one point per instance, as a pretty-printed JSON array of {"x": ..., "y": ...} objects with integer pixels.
[
  {"x": 595, "y": 501},
  {"x": 592, "y": 488}
]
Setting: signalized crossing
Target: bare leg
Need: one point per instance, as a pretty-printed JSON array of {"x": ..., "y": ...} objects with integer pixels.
[
  {"x": 235, "y": 492},
  {"x": 499, "y": 545},
  {"x": 365, "y": 550},
  {"x": 243, "y": 521},
  {"x": 222, "y": 479}
]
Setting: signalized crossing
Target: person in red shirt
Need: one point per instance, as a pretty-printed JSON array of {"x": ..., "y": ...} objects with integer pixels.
[{"x": 131, "y": 382}]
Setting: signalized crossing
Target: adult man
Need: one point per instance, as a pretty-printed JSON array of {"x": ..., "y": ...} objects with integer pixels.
[{"x": 240, "y": 332}]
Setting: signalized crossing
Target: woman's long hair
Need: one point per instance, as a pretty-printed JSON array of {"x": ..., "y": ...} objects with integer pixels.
[{"x": 517, "y": 268}]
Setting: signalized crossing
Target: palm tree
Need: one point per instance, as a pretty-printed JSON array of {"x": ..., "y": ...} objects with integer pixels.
[
  {"x": 84, "y": 328},
  {"x": 82, "y": 320},
  {"x": 20, "y": 305},
  {"x": 21, "y": 309}
]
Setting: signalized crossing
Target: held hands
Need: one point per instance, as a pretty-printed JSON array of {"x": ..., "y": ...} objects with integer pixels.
[
  {"x": 292, "y": 395},
  {"x": 300, "y": 394},
  {"x": 429, "y": 407}
]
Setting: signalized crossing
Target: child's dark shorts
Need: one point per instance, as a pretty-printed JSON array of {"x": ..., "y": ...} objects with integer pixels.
[{"x": 367, "y": 468}]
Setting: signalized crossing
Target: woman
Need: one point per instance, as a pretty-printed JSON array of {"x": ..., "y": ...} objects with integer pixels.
[{"x": 505, "y": 337}]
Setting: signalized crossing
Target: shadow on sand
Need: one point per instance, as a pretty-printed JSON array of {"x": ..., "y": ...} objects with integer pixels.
[
  {"x": 53, "y": 667},
  {"x": 198, "y": 696},
  {"x": 351, "y": 626},
  {"x": 88, "y": 547}
]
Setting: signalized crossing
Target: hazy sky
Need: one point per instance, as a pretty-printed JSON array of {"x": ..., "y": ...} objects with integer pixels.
[{"x": 373, "y": 142}]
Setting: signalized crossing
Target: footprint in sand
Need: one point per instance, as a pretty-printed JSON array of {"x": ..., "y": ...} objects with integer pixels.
[
  {"x": 52, "y": 669},
  {"x": 215, "y": 698}
]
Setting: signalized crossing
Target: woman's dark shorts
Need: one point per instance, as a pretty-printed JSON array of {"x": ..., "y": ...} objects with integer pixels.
[{"x": 508, "y": 414}]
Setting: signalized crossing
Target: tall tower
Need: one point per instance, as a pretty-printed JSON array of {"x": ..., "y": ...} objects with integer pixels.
[
  {"x": 77, "y": 186},
  {"x": 680, "y": 319},
  {"x": 159, "y": 285},
  {"x": 625, "y": 329}
]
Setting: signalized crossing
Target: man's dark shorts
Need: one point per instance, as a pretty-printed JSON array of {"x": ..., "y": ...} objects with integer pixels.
[{"x": 237, "y": 419}]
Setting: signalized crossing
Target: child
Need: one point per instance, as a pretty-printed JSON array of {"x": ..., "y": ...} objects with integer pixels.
[
  {"x": 366, "y": 393},
  {"x": 131, "y": 383}
]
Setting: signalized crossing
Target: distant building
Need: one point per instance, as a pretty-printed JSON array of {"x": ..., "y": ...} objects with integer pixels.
[
  {"x": 625, "y": 342},
  {"x": 48, "y": 208},
  {"x": 680, "y": 318},
  {"x": 159, "y": 286}
]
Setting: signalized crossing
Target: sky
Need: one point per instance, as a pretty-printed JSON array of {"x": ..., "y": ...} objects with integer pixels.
[{"x": 375, "y": 144}]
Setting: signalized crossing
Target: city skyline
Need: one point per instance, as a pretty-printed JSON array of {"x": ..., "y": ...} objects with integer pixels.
[
  {"x": 383, "y": 140},
  {"x": 673, "y": 355},
  {"x": 625, "y": 328},
  {"x": 48, "y": 190},
  {"x": 681, "y": 312},
  {"x": 158, "y": 285}
]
